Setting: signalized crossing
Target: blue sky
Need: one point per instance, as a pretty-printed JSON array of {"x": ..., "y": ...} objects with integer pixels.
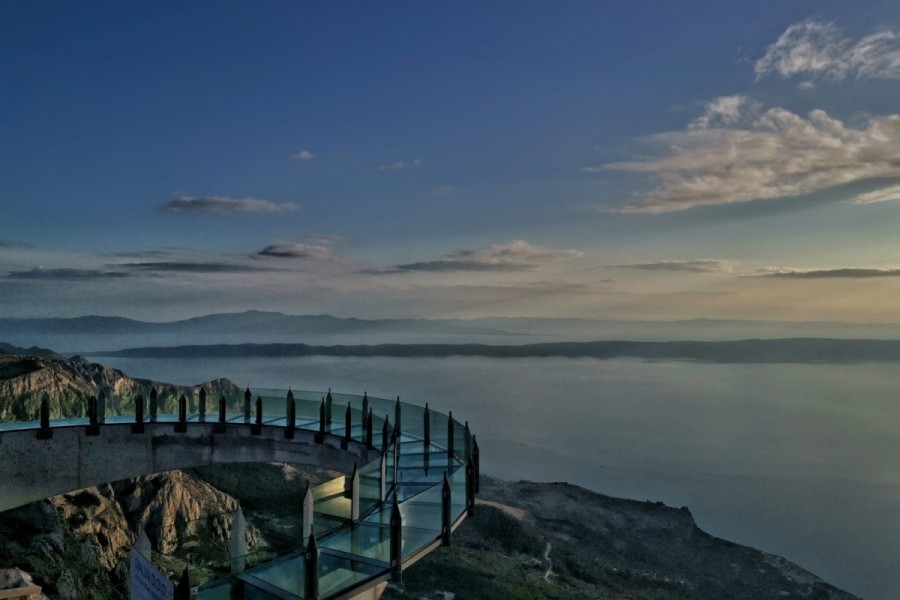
[{"x": 627, "y": 160}]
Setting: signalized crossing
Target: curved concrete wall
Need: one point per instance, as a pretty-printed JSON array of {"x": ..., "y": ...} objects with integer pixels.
[{"x": 32, "y": 468}]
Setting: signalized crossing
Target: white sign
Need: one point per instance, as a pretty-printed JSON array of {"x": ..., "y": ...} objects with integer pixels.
[{"x": 146, "y": 582}]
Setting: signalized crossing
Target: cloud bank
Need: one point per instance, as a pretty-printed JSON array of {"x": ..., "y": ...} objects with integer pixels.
[
  {"x": 842, "y": 273},
  {"x": 738, "y": 152},
  {"x": 223, "y": 205},
  {"x": 684, "y": 266},
  {"x": 518, "y": 255},
  {"x": 818, "y": 49},
  {"x": 297, "y": 251}
]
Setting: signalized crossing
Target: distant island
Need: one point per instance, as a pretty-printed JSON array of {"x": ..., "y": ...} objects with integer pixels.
[{"x": 788, "y": 350}]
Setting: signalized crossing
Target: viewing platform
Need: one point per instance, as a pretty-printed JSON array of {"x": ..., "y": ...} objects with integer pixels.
[{"x": 411, "y": 476}]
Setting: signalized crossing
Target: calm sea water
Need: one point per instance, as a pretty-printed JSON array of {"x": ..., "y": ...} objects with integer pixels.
[{"x": 798, "y": 460}]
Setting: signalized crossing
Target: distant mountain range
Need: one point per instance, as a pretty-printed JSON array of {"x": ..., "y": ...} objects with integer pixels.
[
  {"x": 793, "y": 350},
  {"x": 88, "y": 334}
]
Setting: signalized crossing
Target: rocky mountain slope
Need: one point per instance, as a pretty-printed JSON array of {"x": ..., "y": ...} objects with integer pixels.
[{"x": 69, "y": 382}]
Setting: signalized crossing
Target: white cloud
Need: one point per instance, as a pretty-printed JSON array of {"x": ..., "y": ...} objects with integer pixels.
[
  {"x": 303, "y": 155},
  {"x": 223, "y": 205},
  {"x": 887, "y": 194},
  {"x": 816, "y": 48},
  {"x": 736, "y": 152},
  {"x": 399, "y": 165},
  {"x": 518, "y": 255}
]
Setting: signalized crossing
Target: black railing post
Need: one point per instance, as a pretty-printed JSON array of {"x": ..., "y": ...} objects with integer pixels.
[
  {"x": 311, "y": 569},
  {"x": 365, "y": 409},
  {"x": 396, "y": 545},
  {"x": 138, "y": 425},
  {"x": 220, "y": 425},
  {"x": 397, "y": 415},
  {"x": 101, "y": 407},
  {"x": 287, "y": 402},
  {"x": 154, "y": 404},
  {"x": 385, "y": 433},
  {"x": 202, "y": 408},
  {"x": 450, "y": 436},
  {"x": 328, "y": 402},
  {"x": 291, "y": 418},
  {"x": 476, "y": 462},
  {"x": 183, "y": 588},
  {"x": 369, "y": 429},
  {"x": 470, "y": 488},
  {"x": 181, "y": 425},
  {"x": 426, "y": 424},
  {"x": 45, "y": 433},
  {"x": 92, "y": 428},
  {"x": 256, "y": 429},
  {"x": 320, "y": 437},
  {"x": 468, "y": 441},
  {"x": 348, "y": 428},
  {"x": 446, "y": 519},
  {"x": 248, "y": 398}
]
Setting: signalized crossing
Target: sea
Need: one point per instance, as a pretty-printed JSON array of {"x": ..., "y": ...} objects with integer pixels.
[{"x": 799, "y": 460}]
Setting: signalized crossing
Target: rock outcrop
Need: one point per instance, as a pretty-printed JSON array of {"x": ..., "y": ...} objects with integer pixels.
[{"x": 69, "y": 383}]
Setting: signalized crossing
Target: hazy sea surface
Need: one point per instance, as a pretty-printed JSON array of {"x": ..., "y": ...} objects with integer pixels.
[{"x": 801, "y": 461}]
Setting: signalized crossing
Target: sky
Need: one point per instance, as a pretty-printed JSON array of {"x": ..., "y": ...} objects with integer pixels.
[{"x": 651, "y": 161}]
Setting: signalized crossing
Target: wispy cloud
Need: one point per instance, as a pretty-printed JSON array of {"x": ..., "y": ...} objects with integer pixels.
[
  {"x": 399, "y": 165},
  {"x": 297, "y": 251},
  {"x": 189, "y": 267},
  {"x": 518, "y": 255},
  {"x": 684, "y": 266},
  {"x": 303, "y": 155},
  {"x": 223, "y": 205},
  {"x": 12, "y": 244},
  {"x": 887, "y": 194},
  {"x": 443, "y": 190},
  {"x": 840, "y": 273},
  {"x": 738, "y": 152},
  {"x": 40, "y": 273},
  {"x": 818, "y": 49}
]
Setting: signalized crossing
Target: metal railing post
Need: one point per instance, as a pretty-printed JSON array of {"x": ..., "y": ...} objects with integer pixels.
[
  {"x": 181, "y": 425},
  {"x": 311, "y": 570},
  {"x": 396, "y": 545},
  {"x": 154, "y": 404},
  {"x": 446, "y": 497},
  {"x": 138, "y": 425},
  {"x": 248, "y": 398},
  {"x": 201, "y": 408}
]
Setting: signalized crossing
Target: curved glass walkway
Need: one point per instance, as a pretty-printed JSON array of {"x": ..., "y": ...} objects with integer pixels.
[{"x": 359, "y": 529}]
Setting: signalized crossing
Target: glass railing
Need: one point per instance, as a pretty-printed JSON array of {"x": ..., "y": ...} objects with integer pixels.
[{"x": 362, "y": 534}]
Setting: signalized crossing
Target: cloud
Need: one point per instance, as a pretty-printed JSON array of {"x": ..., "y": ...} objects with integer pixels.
[
  {"x": 841, "y": 273},
  {"x": 736, "y": 152},
  {"x": 399, "y": 165},
  {"x": 443, "y": 190},
  {"x": 321, "y": 239},
  {"x": 518, "y": 255},
  {"x": 40, "y": 273},
  {"x": 684, "y": 266},
  {"x": 223, "y": 205},
  {"x": 303, "y": 155},
  {"x": 189, "y": 267},
  {"x": 816, "y": 48},
  {"x": 887, "y": 194},
  {"x": 13, "y": 244},
  {"x": 297, "y": 251}
]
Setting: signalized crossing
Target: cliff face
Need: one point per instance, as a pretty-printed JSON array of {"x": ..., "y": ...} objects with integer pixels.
[
  {"x": 76, "y": 545},
  {"x": 69, "y": 382}
]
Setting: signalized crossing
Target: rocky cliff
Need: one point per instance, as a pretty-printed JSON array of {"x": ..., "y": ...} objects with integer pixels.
[{"x": 69, "y": 383}]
